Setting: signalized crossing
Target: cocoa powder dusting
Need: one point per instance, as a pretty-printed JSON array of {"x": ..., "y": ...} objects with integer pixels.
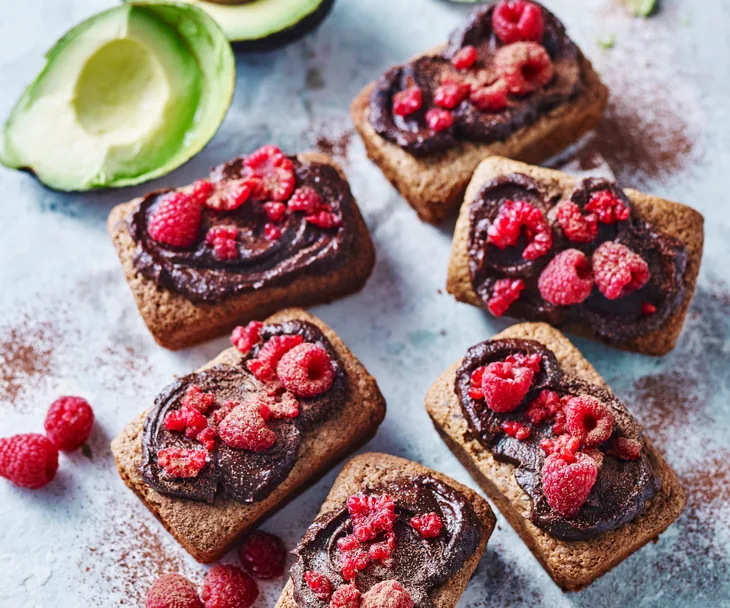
[{"x": 335, "y": 146}]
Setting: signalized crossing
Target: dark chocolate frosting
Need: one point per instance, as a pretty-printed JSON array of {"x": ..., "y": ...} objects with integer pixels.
[
  {"x": 243, "y": 475},
  {"x": 622, "y": 487},
  {"x": 418, "y": 564},
  {"x": 614, "y": 321},
  {"x": 303, "y": 247},
  {"x": 427, "y": 72}
]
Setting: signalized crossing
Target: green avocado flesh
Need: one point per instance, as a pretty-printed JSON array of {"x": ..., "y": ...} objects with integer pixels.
[{"x": 124, "y": 97}]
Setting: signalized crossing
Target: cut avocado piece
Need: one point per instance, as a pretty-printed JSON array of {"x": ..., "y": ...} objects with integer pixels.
[
  {"x": 265, "y": 24},
  {"x": 124, "y": 97}
]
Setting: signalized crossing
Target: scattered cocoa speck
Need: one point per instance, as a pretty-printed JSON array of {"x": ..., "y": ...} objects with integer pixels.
[
  {"x": 314, "y": 79},
  {"x": 335, "y": 145}
]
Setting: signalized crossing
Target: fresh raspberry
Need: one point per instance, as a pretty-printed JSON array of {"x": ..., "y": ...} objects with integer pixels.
[
  {"x": 201, "y": 191},
  {"x": 207, "y": 437},
  {"x": 223, "y": 411},
  {"x": 492, "y": 98},
  {"x": 346, "y": 596},
  {"x": 567, "y": 485},
  {"x": 567, "y": 279},
  {"x": 29, "y": 461},
  {"x": 516, "y": 429},
  {"x": 618, "y": 270},
  {"x": 196, "y": 399},
  {"x": 565, "y": 446},
  {"x": 229, "y": 587},
  {"x": 195, "y": 422},
  {"x": 175, "y": 221},
  {"x": 272, "y": 232},
  {"x": 596, "y": 455},
  {"x": 504, "y": 294},
  {"x": 244, "y": 338},
  {"x": 451, "y": 93},
  {"x": 351, "y": 562},
  {"x": 589, "y": 420},
  {"x": 305, "y": 199},
  {"x": 176, "y": 420},
  {"x": 625, "y": 448},
  {"x": 274, "y": 211},
  {"x": 284, "y": 406},
  {"x": 559, "y": 423},
  {"x": 381, "y": 552},
  {"x": 525, "y": 67},
  {"x": 407, "y": 101},
  {"x": 264, "y": 365},
  {"x": 438, "y": 119},
  {"x": 609, "y": 208},
  {"x": 647, "y": 309},
  {"x": 319, "y": 584},
  {"x": 387, "y": 594},
  {"x": 543, "y": 407},
  {"x": 516, "y": 20},
  {"x": 475, "y": 383},
  {"x": 505, "y": 385},
  {"x": 577, "y": 227},
  {"x": 173, "y": 591},
  {"x": 306, "y": 370},
  {"x": 245, "y": 428},
  {"x": 512, "y": 218},
  {"x": 178, "y": 462},
  {"x": 348, "y": 543},
  {"x": 229, "y": 195},
  {"x": 371, "y": 515},
  {"x": 428, "y": 525},
  {"x": 263, "y": 555},
  {"x": 271, "y": 174},
  {"x": 68, "y": 423},
  {"x": 464, "y": 58},
  {"x": 324, "y": 219},
  {"x": 532, "y": 361}
]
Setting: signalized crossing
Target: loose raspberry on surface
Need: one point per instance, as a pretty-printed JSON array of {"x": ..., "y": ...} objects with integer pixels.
[
  {"x": 428, "y": 525},
  {"x": 567, "y": 484},
  {"x": 207, "y": 438},
  {"x": 407, "y": 101},
  {"x": 263, "y": 555},
  {"x": 589, "y": 420},
  {"x": 346, "y": 596},
  {"x": 272, "y": 232},
  {"x": 505, "y": 385},
  {"x": 198, "y": 400},
  {"x": 618, "y": 271},
  {"x": 274, "y": 211},
  {"x": 439, "y": 119},
  {"x": 647, "y": 309},
  {"x": 244, "y": 338},
  {"x": 271, "y": 174},
  {"x": 285, "y": 405},
  {"x": 324, "y": 219},
  {"x": 532, "y": 361},
  {"x": 505, "y": 293},
  {"x": 566, "y": 446},
  {"x": 201, "y": 191},
  {"x": 464, "y": 58},
  {"x": 264, "y": 365},
  {"x": 306, "y": 370},
  {"x": 567, "y": 279},
  {"x": 175, "y": 221},
  {"x": 475, "y": 383},
  {"x": 371, "y": 515},
  {"x": 492, "y": 98},
  {"x": 451, "y": 93},
  {"x": 223, "y": 411},
  {"x": 381, "y": 551},
  {"x": 319, "y": 584},
  {"x": 513, "y": 216},
  {"x": 176, "y": 420},
  {"x": 245, "y": 428},
  {"x": 173, "y": 591},
  {"x": 577, "y": 227},
  {"x": 516, "y": 20},
  {"x": 525, "y": 67},
  {"x": 179, "y": 462},
  {"x": 516, "y": 429},
  {"x": 29, "y": 460},
  {"x": 229, "y": 587},
  {"x": 305, "y": 199},
  {"x": 68, "y": 423},
  {"x": 546, "y": 405},
  {"x": 387, "y": 594},
  {"x": 195, "y": 422},
  {"x": 625, "y": 448},
  {"x": 608, "y": 207},
  {"x": 229, "y": 195},
  {"x": 351, "y": 562}
]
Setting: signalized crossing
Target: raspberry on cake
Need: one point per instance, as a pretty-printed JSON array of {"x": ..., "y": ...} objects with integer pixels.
[
  {"x": 262, "y": 232},
  {"x": 610, "y": 264},
  {"x": 509, "y": 81},
  {"x": 391, "y": 534},
  {"x": 567, "y": 464},
  {"x": 224, "y": 447}
]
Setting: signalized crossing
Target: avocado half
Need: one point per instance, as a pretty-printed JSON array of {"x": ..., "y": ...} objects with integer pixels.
[
  {"x": 126, "y": 96},
  {"x": 265, "y": 24}
]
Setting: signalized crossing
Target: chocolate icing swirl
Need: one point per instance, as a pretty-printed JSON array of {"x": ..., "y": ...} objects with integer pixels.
[
  {"x": 243, "y": 475},
  {"x": 622, "y": 487},
  {"x": 613, "y": 321},
  {"x": 303, "y": 247},
  {"x": 411, "y": 132},
  {"x": 418, "y": 564}
]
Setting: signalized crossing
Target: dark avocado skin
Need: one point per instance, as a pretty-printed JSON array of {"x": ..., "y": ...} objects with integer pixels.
[{"x": 290, "y": 34}]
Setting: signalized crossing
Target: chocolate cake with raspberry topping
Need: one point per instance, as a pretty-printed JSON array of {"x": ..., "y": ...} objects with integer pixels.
[
  {"x": 263, "y": 231},
  {"x": 611, "y": 264},
  {"x": 556, "y": 450},
  {"x": 510, "y": 81},
  {"x": 391, "y": 533}
]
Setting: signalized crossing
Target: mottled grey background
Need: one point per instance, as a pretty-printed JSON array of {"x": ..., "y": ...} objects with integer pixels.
[{"x": 68, "y": 323}]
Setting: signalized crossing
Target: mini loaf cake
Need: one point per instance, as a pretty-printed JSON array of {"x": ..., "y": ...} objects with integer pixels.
[
  {"x": 557, "y": 452},
  {"x": 263, "y": 232},
  {"x": 614, "y": 265},
  {"x": 391, "y": 533},
  {"x": 226, "y": 446},
  {"x": 510, "y": 82}
]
